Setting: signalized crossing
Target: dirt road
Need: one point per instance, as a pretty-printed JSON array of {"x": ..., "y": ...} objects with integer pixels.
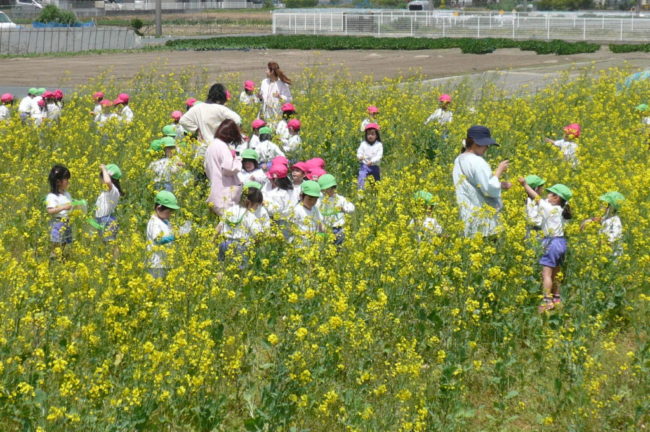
[{"x": 71, "y": 71}]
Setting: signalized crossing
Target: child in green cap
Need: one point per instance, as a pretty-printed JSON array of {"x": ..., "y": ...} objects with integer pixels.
[
  {"x": 306, "y": 217},
  {"x": 611, "y": 225},
  {"x": 267, "y": 149},
  {"x": 107, "y": 201},
  {"x": 427, "y": 225},
  {"x": 160, "y": 233},
  {"x": 166, "y": 168},
  {"x": 554, "y": 211},
  {"x": 251, "y": 168},
  {"x": 59, "y": 203},
  {"x": 532, "y": 210},
  {"x": 333, "y": 207}
]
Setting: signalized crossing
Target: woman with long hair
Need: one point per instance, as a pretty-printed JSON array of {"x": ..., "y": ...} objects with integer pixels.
[
  {"x": 274, "y": 92},
  {"x": 222, "y": 168}
]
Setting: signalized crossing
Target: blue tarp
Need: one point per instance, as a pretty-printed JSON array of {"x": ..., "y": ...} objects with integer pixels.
[{"x": 37, "y": 24}]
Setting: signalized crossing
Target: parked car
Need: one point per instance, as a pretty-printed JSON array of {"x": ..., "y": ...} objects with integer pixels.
[{"x": 6, "y": 22}]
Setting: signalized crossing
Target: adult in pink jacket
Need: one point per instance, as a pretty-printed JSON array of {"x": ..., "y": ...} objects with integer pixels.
[{"x": 222, "y": 168}]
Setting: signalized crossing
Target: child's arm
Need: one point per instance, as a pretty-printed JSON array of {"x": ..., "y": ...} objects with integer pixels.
[
  {"x": 106, "y": 177},
  {"x": 59, "y": 209},
  {"x": 585, "y": 222},
  {"x": 529, "y": 190}
]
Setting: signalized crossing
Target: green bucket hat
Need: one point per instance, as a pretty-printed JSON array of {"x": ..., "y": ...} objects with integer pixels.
[
  {"x": 534, "y": 181},
  {"x": 169, "y": 130},
  {"x": 266, "y": 131},
  {"x": 613, "y": 198},
  {"x": 33, "y": 91},
  {"x": 167, "y": 199},
  {"x": 114, "y": 171},
  {"x": 250, "y": 154},
  {"x": 424, "y": 196},
  {"x": 310, "y": 188},
  {"x": 156, "y": 145},
  {"x": 642, "y": 107},
  {"x": 167, "y": 142},
  {"x": 562, "y": 191},
  {"x": 40, "y": 91},
  {"x": 253, "y": 184},
  {"x": 326, "y": 181}
]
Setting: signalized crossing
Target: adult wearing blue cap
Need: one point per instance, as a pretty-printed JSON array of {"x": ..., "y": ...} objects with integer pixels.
[{"x": 478, "y": 188}]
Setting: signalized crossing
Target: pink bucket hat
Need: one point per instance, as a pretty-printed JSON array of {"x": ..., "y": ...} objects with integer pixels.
[
  {"x": 372, "y": 126},
  {"x": 316, "y": 162},
  {"x": 41, "y": 103},
  {"x": 573, "y": 128},
  {"x": 190, "y": 102},
  {"x": 249, "y": 85},
  {"x": 258, "y": 123},
  {"x": 315, "y": 173},
  {"x": 7, "y": 97},
  {"x": 98, "y": 95},
  {"x": 373, "y": 109},
  {"x": 176, "y": 115},
  {"x": 121, "y": 98},
  {"x": 294, "y": 124},
  {"x": 288, "y": 107},
  {"x": 444, "y": 98},
  {"x": 58, "y": 94},
  {"x": 302, "y": 166},
  {"x": 277, "y": 171},
  {"x": 48, "y": 95},
  {"x": 106, "y": 103},
  {"x": 280, "y": 160}
]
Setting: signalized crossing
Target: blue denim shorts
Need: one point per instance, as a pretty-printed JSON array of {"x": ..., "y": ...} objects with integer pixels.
[
  {"x": 60, "y": 231},
  {"x": 554, "y": 251}
]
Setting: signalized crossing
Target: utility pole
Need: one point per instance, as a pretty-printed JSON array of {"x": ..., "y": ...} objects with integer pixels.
[{"x": 158, "y": 18}]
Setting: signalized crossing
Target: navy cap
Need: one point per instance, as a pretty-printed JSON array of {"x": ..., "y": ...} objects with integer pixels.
[{"x": 481, "y": 136}]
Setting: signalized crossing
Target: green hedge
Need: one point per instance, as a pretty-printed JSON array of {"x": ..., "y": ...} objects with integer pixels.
[
  {"x": 625, "y": 48},
  {"x": 307, "y": 42}
]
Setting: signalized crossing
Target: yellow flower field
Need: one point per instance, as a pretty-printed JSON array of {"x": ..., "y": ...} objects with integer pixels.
[{"x": 386, "y": 334}]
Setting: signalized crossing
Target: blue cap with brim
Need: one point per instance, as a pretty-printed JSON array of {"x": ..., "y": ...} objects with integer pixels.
[{"x": 481, "y": 136}]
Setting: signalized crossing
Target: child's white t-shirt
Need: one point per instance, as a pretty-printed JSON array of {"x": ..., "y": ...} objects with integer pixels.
[
  {"x": 569, "y": 150},
  {"x": 97, "y": 110},
  {"x": 107, "y": 202},
  {"x": 127, "y": 114},
  {"x": 25, "y": 105},
  {"x": 333, "y": 210},
  {"x": 282, "y": 130},
  {"x": 4, "y": 112},
  {"x": 442, "y": 116},
  {"x": 552, "y": 222},
  {"x": 279, "y": 202},
  {"x": 53, "y": 111},
  {"x": 306, "y": 221},
  {"x": 240, "y": 224},
  {"x": 645, "y": 120},
  {"x": 292, "y": 144},
  {"x": 267, "y": 150},
  {"x": 164, "y": 169},
  {"x": 612, "y": 228},
  {"x": 57, "y": 200},
  {"x": 532, "y": 212},
  {"x": 428, "y": 226},
  {"x": 157, "y": 229},
  {"x": 255, "y": 175},
  {"x": 370, "y": 153},
  {"x": 248, "y": 99}
]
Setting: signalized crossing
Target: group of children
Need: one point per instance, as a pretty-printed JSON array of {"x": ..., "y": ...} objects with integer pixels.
[
  {"x": 301, "y": 197},
  {"x": 106, "y": 109},
  {"x": 38, "y": 106}
]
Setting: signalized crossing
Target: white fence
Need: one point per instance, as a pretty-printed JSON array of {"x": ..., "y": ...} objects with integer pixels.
[
  {"x": 166, "y": 5},
  {"x": 447, "y": 24},
  {"x": 51, "y": 40}
]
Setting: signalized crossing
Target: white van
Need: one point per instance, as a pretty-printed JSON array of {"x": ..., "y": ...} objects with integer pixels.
[
  {"x": 6, "y": 22},
  {"x": 419, "y": 5}
]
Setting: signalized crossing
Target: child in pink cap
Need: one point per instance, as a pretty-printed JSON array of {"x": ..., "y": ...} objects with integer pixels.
[
  {"x": 373, "y": 111},
  {"x": 52, "y": 108},
  {"x": 293, "y": 143},
  {"x": 369, "y": 154},
  {"x": 248, "y": 96},
  {"x": 98, "y": 97},
  {"x": 58, "y": 95},
  {"x": 315, "y": 173},
  {"x": 567, "y": 145},
  {"x": 189, "y": 103},
  {"x": 105, "y": 112},
  {"x": 282, "y": 128},
  {"x": 254, "y": 140},
  {"x": 7, "y": 100},
  {"x": 126, "y": 114},
  {"x": 176, "y": 117},
  {"x": 279, "y": 199},
  {"x": 443, "y": 115}
]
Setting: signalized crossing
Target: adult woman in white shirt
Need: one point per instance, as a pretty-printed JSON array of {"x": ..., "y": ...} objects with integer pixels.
[
  {"x": 477, "y": 187},
  {"x": 275, "y": 91}
]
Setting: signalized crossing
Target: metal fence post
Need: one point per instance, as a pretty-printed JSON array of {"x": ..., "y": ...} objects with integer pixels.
[
  {"x": 274, "y": 18},
  {"x": 513, "y": 28},
  {"x": 584, "y": 29},
  {"x": 548, "y": 29},
  {"x": 443, "y": 27},
  {"x": 411, "y": 25},
  {"x": 478, "y": 27},
  {"x": 621, "y": 28}
]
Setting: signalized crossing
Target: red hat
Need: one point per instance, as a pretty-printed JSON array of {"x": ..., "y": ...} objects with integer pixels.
[
  {"x": 121, "y": 98},
  {"x": 7, "y": 97},
  {"x": 190, "y": 102},
  {"x": 48, "y": 95},
  {"x": 288, "y": 107},
  {"x": 106, "y": 102},
  {"x": 573, "y": 128},
  {"x": 277, "y": 171},
  {"x": 176, "y": 115},
  {"x": 316, "y": 162},
  {"x": 294, "y": 124},
  {"x": 98, "y": 95},
  {"x": 280, "y": 160},
  {"x": 258, "y": 123},
  {"x": 58, "y": 94},
  {"x": 373, "y": 109},
  {"x": 302, "y": 166},
  {"x": 249, "y": 85},
  {"x": 315, "y": 173},
  {"x": 372, "y": 126},
  {"x": 41, "y": 103},
  {"x": 444, "y": 98}
]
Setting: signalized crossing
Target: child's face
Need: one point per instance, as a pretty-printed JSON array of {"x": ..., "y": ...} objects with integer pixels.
[
  {"x": 169, "y": 151},
  {"x": 371, "y": 135},
  {"x": 330, "y": 192},
  {"x": 63, "y": 184},
  {"x": 444, "y": 105},
  {"x": 297, "y": 175},
  {"x": 554, "y": 199},
  {"x": 164, "y": 213},
  {"x": 249, "y": 165},
  {"x": 309, "y": 201}
]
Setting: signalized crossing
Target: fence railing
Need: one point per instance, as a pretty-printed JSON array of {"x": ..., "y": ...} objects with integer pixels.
[
  {"x": 52, "y": 40},
  {"x": 445, "y": 24},
  {"x": 166, "y": 5}
]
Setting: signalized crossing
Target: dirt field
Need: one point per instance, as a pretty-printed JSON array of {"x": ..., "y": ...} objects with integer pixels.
[{"x": 520, "y": 67}]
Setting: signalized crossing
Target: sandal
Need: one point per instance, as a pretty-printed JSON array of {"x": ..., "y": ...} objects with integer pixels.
[
  {"x": 557, "y": 301},
  {"x": 547, "y": 305}
]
